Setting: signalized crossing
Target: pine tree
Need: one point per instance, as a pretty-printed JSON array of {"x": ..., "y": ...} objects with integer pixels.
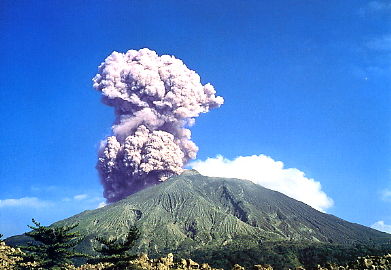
[
  {"x": 51, "y": 246},
  {"x": 115, "y": 251}
]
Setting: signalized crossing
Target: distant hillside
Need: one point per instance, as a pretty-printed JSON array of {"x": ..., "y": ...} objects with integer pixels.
[{"x": 194, "y": 215}]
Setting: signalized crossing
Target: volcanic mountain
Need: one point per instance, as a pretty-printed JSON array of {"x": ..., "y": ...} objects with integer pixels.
[{"x": 194, "y": 215}]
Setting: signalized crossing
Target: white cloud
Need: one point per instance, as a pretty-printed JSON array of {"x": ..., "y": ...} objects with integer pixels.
[
  {"x": 101, "y": 204},
  {"x": 375, "y": 7},
  {"x": 378, "y": 55},
  {"x": 265, "y": 171},
  {"x": 31, "y": 202},
  {"x": 379, "y": 6},
  {"x": 382, "y": 43},
  {"x": 381, "y": 226},
  {"x": 80, "y": 197},
  {"x": 95, "y": 199},
  {"x": 386, "y": 194},
  {"x": 43, "y": 188}
]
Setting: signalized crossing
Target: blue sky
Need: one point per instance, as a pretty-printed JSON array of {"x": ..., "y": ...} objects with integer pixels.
[{"x": 305, "y": 82}]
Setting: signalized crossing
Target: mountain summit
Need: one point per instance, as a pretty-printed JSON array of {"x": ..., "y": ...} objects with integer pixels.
[{"x": 191, "y": 212}]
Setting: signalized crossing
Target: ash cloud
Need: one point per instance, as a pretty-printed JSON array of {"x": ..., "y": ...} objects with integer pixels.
[{"x": 156, "y": 98}]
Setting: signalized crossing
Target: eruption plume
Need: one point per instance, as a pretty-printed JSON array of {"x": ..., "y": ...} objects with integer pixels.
[{"x": 155, "y": 99}]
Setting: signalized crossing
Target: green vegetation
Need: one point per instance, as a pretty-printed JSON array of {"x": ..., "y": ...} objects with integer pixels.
[
  {"x": 114, "y": 251},
  {"x": 225, "y": 221},
  {"x": 191, "y": 212},
  {"x": 51, "y": 246},
  {"x": 286, "y": 254},
  {"x": 51, "y": 250}
]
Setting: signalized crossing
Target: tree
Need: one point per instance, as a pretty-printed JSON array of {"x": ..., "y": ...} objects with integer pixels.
[
  {"x": 115, "y": 251},
  {"x": 51, "y": 246}
]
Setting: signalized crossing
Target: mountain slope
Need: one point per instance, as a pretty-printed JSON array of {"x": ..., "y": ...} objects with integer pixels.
[{"x": 194, "y": 212}]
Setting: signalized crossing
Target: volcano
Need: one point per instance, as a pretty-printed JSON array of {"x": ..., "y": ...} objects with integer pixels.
[{"x": 199, "y": 216}]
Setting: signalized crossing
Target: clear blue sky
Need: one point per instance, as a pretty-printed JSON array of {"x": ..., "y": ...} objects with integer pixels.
[{"x": 304, "y": 82}]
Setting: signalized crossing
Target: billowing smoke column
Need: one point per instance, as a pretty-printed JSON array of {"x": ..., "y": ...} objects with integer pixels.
[{"x": 155, "y": 99}]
